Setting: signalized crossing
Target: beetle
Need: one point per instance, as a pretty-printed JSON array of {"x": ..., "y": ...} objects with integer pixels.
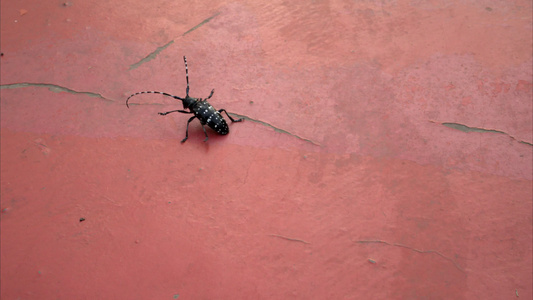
[{"x": 201, "y": 109}]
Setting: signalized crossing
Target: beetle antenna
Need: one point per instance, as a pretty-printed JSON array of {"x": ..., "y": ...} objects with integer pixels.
[{"x": 186, "y": 76}]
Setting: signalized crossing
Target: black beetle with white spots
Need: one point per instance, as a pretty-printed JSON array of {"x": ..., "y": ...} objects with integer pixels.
[{"x": 201, "y": 109}]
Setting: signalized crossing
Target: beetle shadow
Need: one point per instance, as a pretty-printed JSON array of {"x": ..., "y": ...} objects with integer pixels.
[{"x": 197, "y": 137}]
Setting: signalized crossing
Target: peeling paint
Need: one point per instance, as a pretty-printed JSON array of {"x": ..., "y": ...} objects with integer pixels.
[
  {"x": 53, "y": 88},
  {"x": 467, "y": 129},
  {"x": 289, "y": 239},
  {"x": 275, "y": 128}
]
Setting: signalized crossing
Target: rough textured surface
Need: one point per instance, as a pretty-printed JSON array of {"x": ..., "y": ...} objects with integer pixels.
[{"x": 386, "y": 152}]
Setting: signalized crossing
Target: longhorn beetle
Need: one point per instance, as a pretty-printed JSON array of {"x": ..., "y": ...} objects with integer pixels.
[{"x": 201, "y": 109}]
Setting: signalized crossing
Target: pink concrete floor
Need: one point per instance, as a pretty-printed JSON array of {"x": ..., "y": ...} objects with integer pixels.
[{"x": 386, "y": 151}]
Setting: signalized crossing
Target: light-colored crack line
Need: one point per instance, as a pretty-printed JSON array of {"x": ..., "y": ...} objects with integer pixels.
[
  {"x": 289, "y": 239},
  {"x": 53, "y": 88},
  {"x": 412, "y": 249},
  {"x": 467, "y": 129},
  {"x": 275, "y": 128},
  {"x": 153, "y": 55},
  {"x": 253, "y": 120},
  {"x": 150, "y": 56},
  {"x": 201, "y": 23}
]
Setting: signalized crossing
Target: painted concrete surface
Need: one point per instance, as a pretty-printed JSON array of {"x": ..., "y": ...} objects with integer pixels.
[{"x": 386, "y": 151}]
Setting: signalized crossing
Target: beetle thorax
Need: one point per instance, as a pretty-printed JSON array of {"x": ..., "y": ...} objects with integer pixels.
[{"x": 189, "y": 102}]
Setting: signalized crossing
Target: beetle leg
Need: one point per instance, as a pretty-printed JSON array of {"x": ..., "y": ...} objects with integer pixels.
[
  {"x": 187, "y": 131},
  {"x": 232, "y": 120},
  {"x": 179, "y": 110},
  {"x": 212, "y": 91},
  {"x": 206, "y": 137}
]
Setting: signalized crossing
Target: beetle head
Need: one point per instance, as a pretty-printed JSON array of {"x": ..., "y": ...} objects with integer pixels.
[{"x": 188, "y": 102}]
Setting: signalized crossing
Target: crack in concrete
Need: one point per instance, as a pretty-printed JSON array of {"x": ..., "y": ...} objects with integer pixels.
[
  {"x": 289, "y": 239},
  {"x": 154, "y": 54},
  {"x": 150, "y": 56},
  {"x": 201, "y": 23},
  {"x": 275, "y": 128},
  {"x": 53, "y": 88},
  {"x": 412, "y": 249},
  {"x": 464, "y": 128},
  {"x": 57, "y": 89}
]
